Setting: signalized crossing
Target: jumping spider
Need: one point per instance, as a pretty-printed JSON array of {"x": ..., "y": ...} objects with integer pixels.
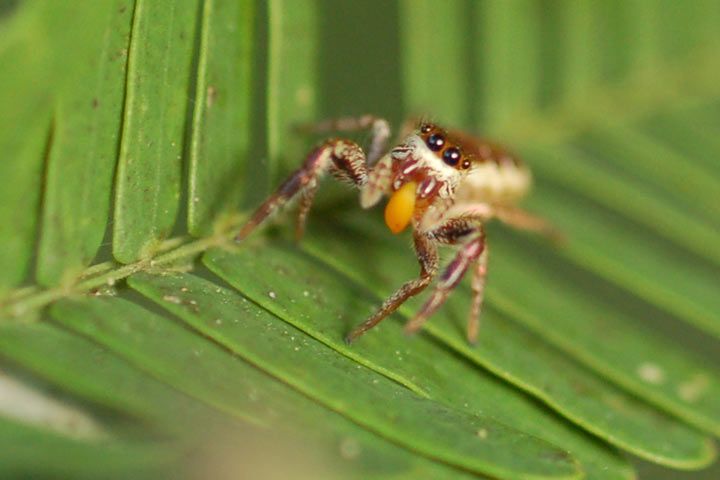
[{"x": 447, "y": 184}]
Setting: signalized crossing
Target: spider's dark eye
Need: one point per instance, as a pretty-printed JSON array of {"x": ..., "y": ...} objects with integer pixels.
[
  {"x": 436, "y": 142},
  {"x": 451, "y": 156},
  {"x": 465, "y": 164},
  {"x": 426, "y": 128}
]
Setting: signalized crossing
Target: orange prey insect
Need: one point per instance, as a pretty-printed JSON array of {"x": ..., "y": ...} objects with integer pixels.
[{"x": 445, "y": 184}]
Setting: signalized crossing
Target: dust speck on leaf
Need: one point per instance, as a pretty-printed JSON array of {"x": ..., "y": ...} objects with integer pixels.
[
  {"x": 272, "y": 295},
  {"x": 172, "y": 299},
  {"x": 693, "y": 389},
  {"x": 304, "y": 96},
  {"x": 651, "y": 373},
  {"x": 349, "y": 448},
  {"x": 482, "y": 433}
]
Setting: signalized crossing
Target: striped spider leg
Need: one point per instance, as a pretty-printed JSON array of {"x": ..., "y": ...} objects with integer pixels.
[{"x": 344, "y": 159}]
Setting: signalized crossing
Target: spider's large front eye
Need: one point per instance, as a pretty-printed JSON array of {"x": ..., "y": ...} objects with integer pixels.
[
  {"x": 436, "y": 142},
  {"x": 452, "y": 156}
]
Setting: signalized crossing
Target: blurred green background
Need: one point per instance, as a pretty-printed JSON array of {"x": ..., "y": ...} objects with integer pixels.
[{"x": 136, "y": 135}]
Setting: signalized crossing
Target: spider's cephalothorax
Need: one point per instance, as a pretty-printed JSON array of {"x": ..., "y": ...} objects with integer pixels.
[{"x": 445, "y": 184}]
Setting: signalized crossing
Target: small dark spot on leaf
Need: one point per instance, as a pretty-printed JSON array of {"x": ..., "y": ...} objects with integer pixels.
[
  {"x": 95, "y": 103},
  {"x": 580, "y": 388},
  {"x": 558, "y": 456}
]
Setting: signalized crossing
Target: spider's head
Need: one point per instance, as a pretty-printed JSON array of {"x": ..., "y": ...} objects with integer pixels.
[
  {"x": 429, "y": 164},
  {"x": 442, "y": 151}
]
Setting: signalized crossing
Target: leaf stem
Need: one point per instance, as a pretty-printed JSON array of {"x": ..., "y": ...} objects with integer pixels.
[{"x": 109, "y": 273}]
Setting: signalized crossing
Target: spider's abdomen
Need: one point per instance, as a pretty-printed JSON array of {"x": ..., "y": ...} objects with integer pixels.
[
  {"x": 496, "y": 177},
  {"x": 498, "y": 184}
]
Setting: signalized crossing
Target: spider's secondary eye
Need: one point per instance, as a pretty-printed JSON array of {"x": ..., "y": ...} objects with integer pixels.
[
  {"x": 451, "y": 156},
  {"x": 436, "y": 142},
  {"x": 426, "y": 128},
  {"x": 465, "y": 164}
]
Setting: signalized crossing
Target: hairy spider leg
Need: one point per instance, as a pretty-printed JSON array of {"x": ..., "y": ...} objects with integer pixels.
[
  {"x": 427, "y": 256},
  {"x": 379, "y": 127},
  {"x": 307, "y": 195},
  {"x": 478, "y": 288},
  {"x": 344, "y": 159},
  {"x": 452, "y": 232},
  {"x": 510, "y": 215}
]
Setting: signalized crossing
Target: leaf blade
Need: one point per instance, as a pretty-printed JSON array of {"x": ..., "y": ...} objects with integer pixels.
[
  {"x": 220, "y": 156},
  {"x": 84, "y": 148},
  {"x": 147, "y": 188}
]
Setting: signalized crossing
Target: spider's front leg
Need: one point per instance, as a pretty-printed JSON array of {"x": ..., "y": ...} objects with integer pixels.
[
  {"x": 474, "y": 249},
  {"x": 379, "y": 128},
  {"x": 343, "y": 158},
  {"x": 427, "y": 255}
]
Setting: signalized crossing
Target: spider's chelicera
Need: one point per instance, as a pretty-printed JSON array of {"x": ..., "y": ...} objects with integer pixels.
[{"x": 445, "y": 184}]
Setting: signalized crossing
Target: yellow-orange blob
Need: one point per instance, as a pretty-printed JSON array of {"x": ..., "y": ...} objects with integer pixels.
[{"x": 400, "y": 208}]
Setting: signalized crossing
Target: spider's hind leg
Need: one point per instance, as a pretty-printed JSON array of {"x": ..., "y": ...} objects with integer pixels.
[{"x": 343, "y": 158}]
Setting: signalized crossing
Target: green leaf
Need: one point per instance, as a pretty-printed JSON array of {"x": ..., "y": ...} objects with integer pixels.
[
  {"x": 150, "y": 162},
  {"x": 689, "y": 131},
  {"x": 687, "y": 184},
  {"x": 61, "y": 358},
  {"x": 506, "y": 34},
  {"x": 222, "y": 110},
  {"x": 424, "y": 367},
  {"x": 556, "y": 318},
  {"x": 578, "y": 394},
  {"x": 446, "y": 95},
  {"x": 85, "y": 134},
  {"x": 63, "y": 457},
  {"x": 636, "y": 258},
  {"x": 192, "y": 364},
  {"x": 578, "y": 172},
  {"x": 474, "y": 442},
  {"x": 24, "y": 132},
  {"x": 587, "y": 352},
  {"x": 291, "y": 80}
]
